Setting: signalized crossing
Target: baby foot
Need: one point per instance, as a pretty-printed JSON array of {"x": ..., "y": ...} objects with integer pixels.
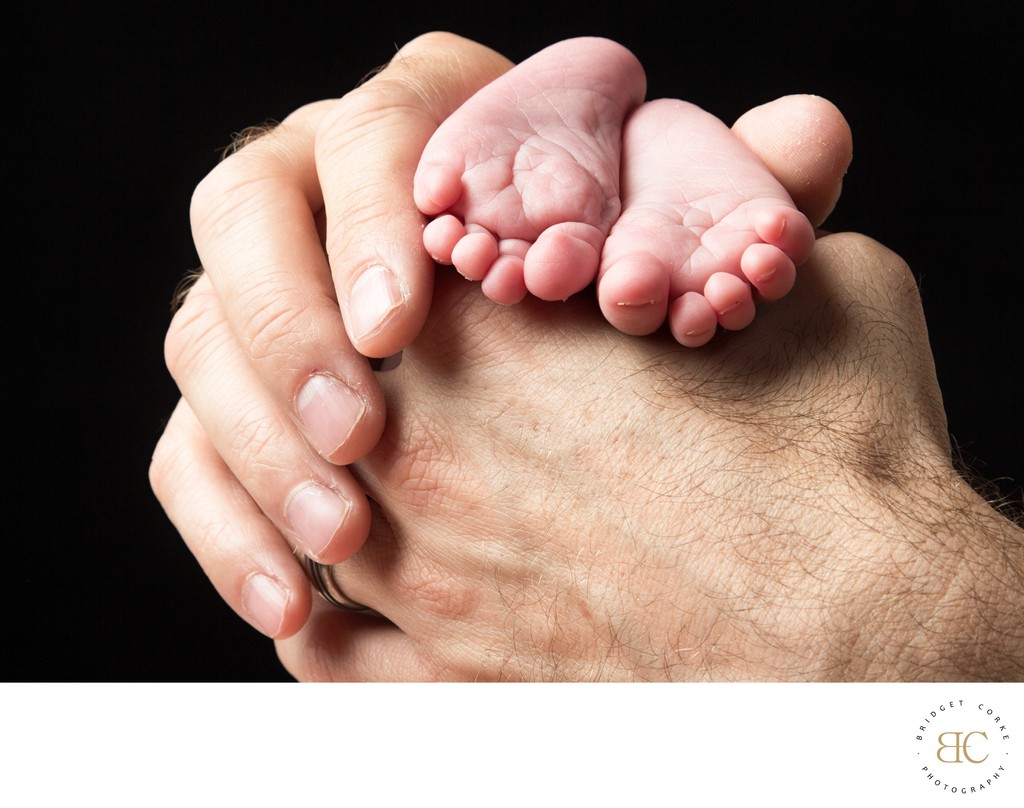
[
  {"x": 524, "y": 177},
  {"x": 704, "y": 227}
]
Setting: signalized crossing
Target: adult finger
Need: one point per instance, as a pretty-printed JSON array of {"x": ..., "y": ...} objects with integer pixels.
[
  {"x": 367, "y": 149},
  {"x": 317, "y": 505},
  {"x": 254, "y": 221},
  {"x": 237, "y": 546},
  {"x": 806, "y": 143}
]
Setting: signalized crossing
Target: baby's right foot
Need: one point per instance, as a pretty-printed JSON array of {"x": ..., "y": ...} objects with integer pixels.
[{"x": 524, "y": 177}]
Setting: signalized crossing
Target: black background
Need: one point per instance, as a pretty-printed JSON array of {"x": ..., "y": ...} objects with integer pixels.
[{"x": 115, "y": 114}]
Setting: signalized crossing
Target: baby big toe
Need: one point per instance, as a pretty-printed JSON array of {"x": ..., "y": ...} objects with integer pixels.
[
  {"x": 731, "y": 299},
  {"x": 563, "y": 260},
  {"x": 633, "y": 294},
  {"x": 769, "y": 270}
]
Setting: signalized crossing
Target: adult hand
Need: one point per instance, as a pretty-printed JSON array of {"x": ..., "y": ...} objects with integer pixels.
[
  {"x": 557, "y": 502},
  {"x": 260, "y": 349}
]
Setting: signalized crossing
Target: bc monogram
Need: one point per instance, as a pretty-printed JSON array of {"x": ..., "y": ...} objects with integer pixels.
[{"x": 961, "y": 744}]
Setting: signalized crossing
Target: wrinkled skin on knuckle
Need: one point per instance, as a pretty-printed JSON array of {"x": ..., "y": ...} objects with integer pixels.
[
  {"x": 430, "y": 66},
  {"x": 166, "y": 467},
  {"x": 195, "y": 334},
  {"x": 250, "y": 179},
  {"x": 241, "y": 185},
  {"x": 891, "y": 375},
  {"x": 430, "y": 588}
]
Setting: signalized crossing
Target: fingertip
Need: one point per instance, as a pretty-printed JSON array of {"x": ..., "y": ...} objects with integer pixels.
[
  {"x": 272, "y": 607},
  {"x": 375, "y": 299},
  {"x": 343, "y": 418},
  {"x": 385, "y": 307}
]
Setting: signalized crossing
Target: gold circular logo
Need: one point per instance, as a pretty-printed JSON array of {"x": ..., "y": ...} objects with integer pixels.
[{"x": 963, "y": 746}]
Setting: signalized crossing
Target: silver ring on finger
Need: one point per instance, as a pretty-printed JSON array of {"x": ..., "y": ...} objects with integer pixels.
[{"x": 327, "y": 587}]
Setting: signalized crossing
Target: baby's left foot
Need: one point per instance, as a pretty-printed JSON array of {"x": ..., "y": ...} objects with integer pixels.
[
  {"x": 705, "y": 228},
  {"x": 524, "y": 177}
]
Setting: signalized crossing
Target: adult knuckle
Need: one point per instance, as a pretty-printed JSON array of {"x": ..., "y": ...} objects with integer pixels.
[
  {"x": 164, "y": 466},
  {"x": 390, "y": 96},
  {"x": 238, "y": 186},
  {"x": 429, "y": 588},
  {"x": 354, "y": 129},
  {"x": 216, "y": 195},
  {"x": 195, "y": 334}
]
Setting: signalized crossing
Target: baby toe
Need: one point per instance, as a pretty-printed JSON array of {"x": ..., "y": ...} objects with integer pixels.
[
  {"x": 786, "y": 228},
  {"x": 769, "y": 270},
  {"x": 692, "y": 319},
  {"x": 504, "y": 282},
  {"x": 474, "y": 254},
  {"x": 436, "y": 188},
  {"x": 440, "y": 237},
  {"x": 731, "y": 299}
]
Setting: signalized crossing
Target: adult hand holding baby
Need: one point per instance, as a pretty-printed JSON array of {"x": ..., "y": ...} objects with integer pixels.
[{"x": 555, "y": 501}]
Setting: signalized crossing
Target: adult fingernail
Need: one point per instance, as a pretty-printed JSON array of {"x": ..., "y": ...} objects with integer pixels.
[
  {"x": 264, "y": 600},
  {"x": 329, "y": 410},
  {"x": 375, "y": 295},
  {"x": 315, "y": 513}
]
